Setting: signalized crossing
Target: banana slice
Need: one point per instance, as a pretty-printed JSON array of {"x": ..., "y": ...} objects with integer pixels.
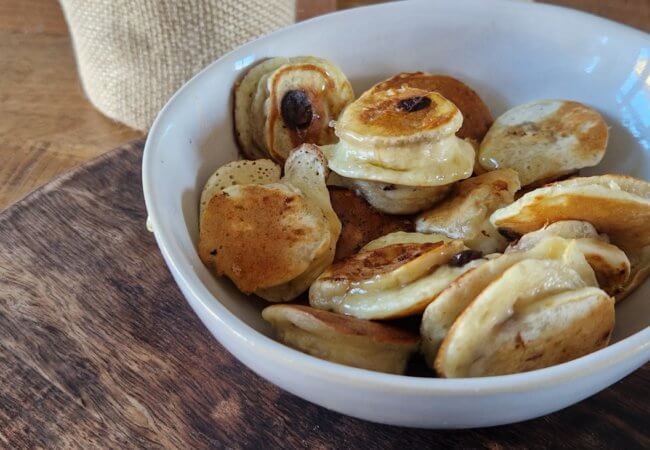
[
  {"x": 465, "y": 213},
  {"x": 389, "y": 282},
  {"x": 273, "y": 239},
  {"x": 442, "y": 312},
  {"x": 282, "y": 103},
  {"x": 544, "y": 140},
  {"x": 536, "y": 314},
  {"x": 616, "y": 205},
  {"x": 342, "y": 339}
]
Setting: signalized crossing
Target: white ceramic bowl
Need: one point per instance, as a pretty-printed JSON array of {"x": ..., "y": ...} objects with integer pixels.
[{"x": 511, "y": 53}]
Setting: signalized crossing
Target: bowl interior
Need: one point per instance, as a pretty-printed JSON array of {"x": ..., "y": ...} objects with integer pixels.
[{"x": 509, "y": 52}]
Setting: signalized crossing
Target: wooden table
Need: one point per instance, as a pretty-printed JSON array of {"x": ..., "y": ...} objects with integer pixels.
[
  {"x": 98, "y": 347},
  {"x": 46, "y": 124}
]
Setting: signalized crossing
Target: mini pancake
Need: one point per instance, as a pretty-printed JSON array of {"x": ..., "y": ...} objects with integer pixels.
[
  {"x": 396, "y": 198},
  {"x": 360, "y": 222},
  {"x": 465, "y": 213},
  {"x": 284, "y": 102},
  {"x": 536, "y": 314},
  {"x": 398, "y": 116},
  {"x": 390, "y": 282},
  {"x": 244, "y": 93},
  {"x": 567, "y": 229},
  {"x": 616, "y": 205},
  {"x": 260, "y": 236},
  {"x": 611, "y": 264},
  {"x": 477, "y": 118},
  {"x": 545, "y": 139},
  {"x": 263, "y": 171},
  {"x": 404, "y": 137},
  {"x": 403, "y": 237},
  {"x": 425, "y": 164},
  {"x": 442, "y": 312},
  {"x": 342, "y": 339},
  {"x": 639, "y": 272},
  {"x": 273, "y": 239}
]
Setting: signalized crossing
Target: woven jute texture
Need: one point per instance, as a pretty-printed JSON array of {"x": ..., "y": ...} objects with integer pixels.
[{"x": 133, "y": 54}]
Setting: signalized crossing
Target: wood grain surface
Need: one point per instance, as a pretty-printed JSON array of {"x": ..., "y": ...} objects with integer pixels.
[
  {"x": 98, "y": 349},
  {"x": 46, "y": 124}
]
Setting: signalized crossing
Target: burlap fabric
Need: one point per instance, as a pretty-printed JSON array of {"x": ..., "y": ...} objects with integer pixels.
[{"x": 133, "y": 54}]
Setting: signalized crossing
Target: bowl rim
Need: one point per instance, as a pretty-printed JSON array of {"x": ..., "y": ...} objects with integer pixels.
[{"x": 633, "y": 345}]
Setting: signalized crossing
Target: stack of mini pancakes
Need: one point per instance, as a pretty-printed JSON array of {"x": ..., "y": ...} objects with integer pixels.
[{"x": 411, "y": 201}]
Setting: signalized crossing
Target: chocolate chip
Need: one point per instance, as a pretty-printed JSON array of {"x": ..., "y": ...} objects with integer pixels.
[
  {"x": 413, "y": 104},
  {"x": 296, "y": 110},
  {"x": 462, "y": 258},
  {"x": 510, "y": 235},
  {"x": 214, "y": 252}
]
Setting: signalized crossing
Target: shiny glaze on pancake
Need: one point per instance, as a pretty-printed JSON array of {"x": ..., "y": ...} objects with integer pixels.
[
  {"x": 313, "y": 132},
  {"x": 377, "y": 114},
  {"x": 368, "y": 264},
  {"x": 477, "y": 118}
]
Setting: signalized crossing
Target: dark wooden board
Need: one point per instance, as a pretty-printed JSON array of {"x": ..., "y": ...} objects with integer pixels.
[{"x": 99, "y": 349}]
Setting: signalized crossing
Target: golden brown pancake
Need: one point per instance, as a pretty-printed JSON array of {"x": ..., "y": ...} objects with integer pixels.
[
  {"x": 545, "y": 140},
  {"x": 389, "y": 282},
  {"x": 611, "y": 265},
  {"x": 616, "y": 205},
  {"x": 271, "y": 239},
  {"x": 402, "y": 114},
  {"x": 465, "y": 213},
  {"x": 361, "y": 223},
  {"x": 259, "y": 236},
  {"x": 536, "y": 314},
  {"x": 342, "y": 339},
  {"x": 477, "y": 118},
  {"x": 282, "y": 103}
]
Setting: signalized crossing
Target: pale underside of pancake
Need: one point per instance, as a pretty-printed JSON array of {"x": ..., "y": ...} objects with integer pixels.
[
  {"x": 545, "y": 139},
  {"x": 477, "y": 118},
  {"x": 465, "y": 213},
  {"x": 274, "y": 239},
  {"x": 361, "y": 223},
  {"x": 442, "y": 312},
  {"x": 389, "y": 282},
  {"x": 425, "y": 164},
  {"x": 616, "y": 205},
  {"x": 342, "y": 339},
  {"x": 284, "y": 102},
  {"x": 396, "y": 198},
  {"x": 536, "y": 314},
  {"x": 611, "y": 264}
]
